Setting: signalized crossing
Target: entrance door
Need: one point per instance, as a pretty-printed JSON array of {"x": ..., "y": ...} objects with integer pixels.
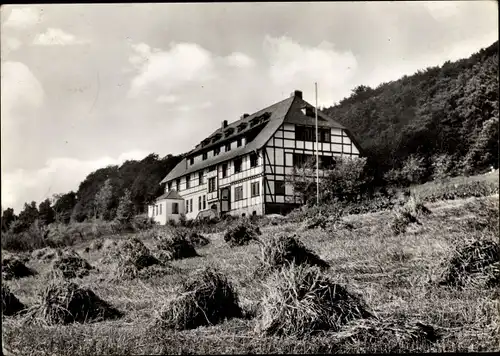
[{"x": 225, "y": 199}]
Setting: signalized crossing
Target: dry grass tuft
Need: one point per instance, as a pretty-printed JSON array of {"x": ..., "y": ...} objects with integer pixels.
[
  {"x": 301, "y": 300},
  {"x": 10, "y": 304},
  {"x": 46, "y": 254},
  {"x": 478, "y": 258},
  {"x": 207, "y": 298},
  {"x": 242, "y": 233},
  {"x": 408, "y": 213},
  {"x": 63, "y": 302},
  {"x": 280, "y": 250},
  {"x": 126, "y": 270},
  {"x": 72, "y": 266},
  {"x": 13, "y": 268},
  {"x": 390, "y": 335}
]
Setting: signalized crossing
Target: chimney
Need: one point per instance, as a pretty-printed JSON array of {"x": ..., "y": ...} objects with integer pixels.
[
  {"x": 224, "y": 124},
  {"x": 244, "y": 116},
  {"x": 297, "y": 93}
]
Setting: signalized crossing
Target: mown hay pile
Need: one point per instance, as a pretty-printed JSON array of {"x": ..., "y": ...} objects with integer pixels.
[
  {"x": 176, "y": 245},
  {"x": 301, "y": 300},
  {"x": 241, "y": 234},
  {"x": 408, "y": 213},
  {"x": 207, "y": 298},
  {"x": 72, "y": 266},
  {"x": 10, "y": 304},
  {"x": 63, "y": 302},
  {"x": 280, "y": 250},
  {"x": 478, "y": 258},
  {"x": 13, "y": 268},
  {"x": 375, "y": 335}
]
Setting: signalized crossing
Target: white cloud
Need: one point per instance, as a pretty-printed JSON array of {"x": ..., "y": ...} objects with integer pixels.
[
  {"x": 60, "y": 175},
  {"x": 169, "y": 99},
  {"x": 183, "y": 63},
  {"x": 20, "y": 89},
  {"x": 9, "y": 44},
  {"x": 56, "y": 37},
  {"x": 22, "y": 18},
  {"x": 239, "y": 60},
  {"x": 296, "y": 66}
]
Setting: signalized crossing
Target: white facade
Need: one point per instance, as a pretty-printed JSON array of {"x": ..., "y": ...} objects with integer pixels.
[
  {"x": 256, "y": 189},
  {"x": 166, "y": 209}
]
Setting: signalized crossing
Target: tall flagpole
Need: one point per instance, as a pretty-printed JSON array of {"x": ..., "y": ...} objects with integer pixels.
[{"x": 317, "y": 155}]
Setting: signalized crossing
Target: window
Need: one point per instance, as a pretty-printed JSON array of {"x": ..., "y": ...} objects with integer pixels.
[
  {"x": 299, "y": 160},
  {"x": 199, "y": 202},
  {"x": 187, "y": 206},
  {"x": 156, "y": 209},
  {"x": 254, "y": 159},
  {"x": 255, "y": 189},
  {"x": 204, "y": 202},
  {"x": 188, "y": 181},
  {"x": 160, "y": 208},
  {"x": 224, "y": 170},
  {"x": 238, "y": 142},
  {"x": 211, "y": 185},
  {"x": 175, "y": 208},
  {"x": 191, "y": 161},
  {"x": 324, "y": 135},
  {"x": 228, "y": 147},
  {"x": 191, "y": 204},
  {"x": 326, "y": 162},
  {"x": 216, "y": 151},
  {"x": 204, "y": 156},
  {"x": 178, "y": 184},
  {"x": 279, "y": 187},
  {"x": 200, "y": 177},
  {"x": 238, "y": 193},
  {"x": 237, "y": 165},
  {"x": 169, "y": 185},
  {"x": 211, "y": 169}
]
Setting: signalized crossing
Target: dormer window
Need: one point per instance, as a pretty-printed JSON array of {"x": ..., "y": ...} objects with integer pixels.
[
  {"x": 228, "y": 132},
  {"x": 204, "y": 156},
  {"x": 238, "y": 143},
  {"x": 216, "y": 137},
  {"x": 254, "y": 121},
  {"x": 216, "y": 151},
  {"x": 205, "y": 142},
  {"x": 191, "y": 161},
  {"x": 228, "y": 147},
  {"x": 242, "y": 126}
]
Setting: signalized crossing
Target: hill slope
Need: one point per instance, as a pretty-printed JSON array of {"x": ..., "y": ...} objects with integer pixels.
[{"x": 451, "y": 109}]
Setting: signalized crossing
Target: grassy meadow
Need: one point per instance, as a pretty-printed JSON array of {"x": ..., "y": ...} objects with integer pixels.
[{"x": 397, "y": 276}]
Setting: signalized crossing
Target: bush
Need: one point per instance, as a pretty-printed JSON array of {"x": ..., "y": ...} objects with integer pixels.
[
  {"x": 64, "y": 302},
  {"x": 469, "y": 260},
  {"x": 10, "y": 304},
  {"x": 300, "y": 300},
  {"x": 457, "y": 190},
  {"x": 207, "y": 298},
  {"x": 282, "y": 250},
  {"x": 241, "y": 234}
]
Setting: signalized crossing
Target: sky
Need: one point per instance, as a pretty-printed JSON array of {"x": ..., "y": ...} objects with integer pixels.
[{"x": 84, "y": 86}]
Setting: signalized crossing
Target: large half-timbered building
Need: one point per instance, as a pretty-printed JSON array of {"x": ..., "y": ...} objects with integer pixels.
[{"x": 240, "y": 168}]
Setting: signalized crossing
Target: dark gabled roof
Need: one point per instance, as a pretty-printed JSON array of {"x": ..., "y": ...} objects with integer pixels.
[
  {"x": 288, "y": 110},
  {"x": 172, "y": 194}
]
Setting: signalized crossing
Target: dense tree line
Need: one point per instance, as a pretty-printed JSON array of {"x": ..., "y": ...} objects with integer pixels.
[
  {"x": 447, "y": 113},
  {"x": 108, "y": 193}
]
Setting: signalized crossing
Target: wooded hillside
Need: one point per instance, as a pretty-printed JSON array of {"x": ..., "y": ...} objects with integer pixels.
[{"x": 452, "y": 109}]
